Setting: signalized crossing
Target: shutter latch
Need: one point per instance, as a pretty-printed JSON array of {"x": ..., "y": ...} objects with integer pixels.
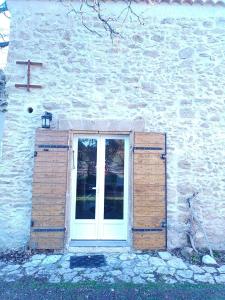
[
  {"x": 163, "y": 156},
  {"x": 163, "y": 224}
]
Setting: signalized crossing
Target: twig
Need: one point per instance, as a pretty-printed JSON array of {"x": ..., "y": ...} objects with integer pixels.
[{"x": 107, "y": 22}]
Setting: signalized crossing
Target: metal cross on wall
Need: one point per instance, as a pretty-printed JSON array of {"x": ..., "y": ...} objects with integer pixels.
[{"x": 28, "y": 85}]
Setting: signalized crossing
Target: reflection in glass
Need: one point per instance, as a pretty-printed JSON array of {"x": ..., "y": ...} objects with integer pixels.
[
  {"x": 86, "y": 178},
  {"x": 114, "y": 179}
]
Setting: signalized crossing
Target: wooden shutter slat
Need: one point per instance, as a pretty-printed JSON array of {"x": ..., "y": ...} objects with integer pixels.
[
  {"x": 52, "y": 189},
  {"x": 48, "y": 209},
  {"x": 49, "y": 199},
  {"x": 148, "y": 240},
  {"x": 50, "y": 167},
  {"x": 149, "y": 191},
  {"x": 145, "y": 189},
  {"x": 54, "y": 140},
  {"x": 50, "y": 133},
  {"x": 49, "y": 174},
  {"x": 142, "y": 211},
  {"x": 146, "y": 178},
  {"x": 49, "y": 189},
  {"x": 58, "y": 179},
  {"x": 47, "y": 222},
  {"x": 49, "y": 240},
  {"x": 47, "y": 156},
  {"x": 148, "y": 139}
]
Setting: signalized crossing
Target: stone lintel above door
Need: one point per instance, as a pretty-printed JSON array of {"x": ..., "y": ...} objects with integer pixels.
[{"x": 102, "y": 125}]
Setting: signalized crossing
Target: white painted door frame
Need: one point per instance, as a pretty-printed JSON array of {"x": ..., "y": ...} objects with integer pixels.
[{"x": 99, "y": 228}]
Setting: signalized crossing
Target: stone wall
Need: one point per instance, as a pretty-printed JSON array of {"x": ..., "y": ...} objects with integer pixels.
[
  {"x": 169, "y": 72},
  {"x": 3, "y": 106},
  {"x": 3, "y": 96}
]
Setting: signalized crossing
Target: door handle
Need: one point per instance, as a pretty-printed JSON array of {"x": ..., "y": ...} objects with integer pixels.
[
  {"x": 73, "y": 161},
  {"x": 94, "y": 188}
]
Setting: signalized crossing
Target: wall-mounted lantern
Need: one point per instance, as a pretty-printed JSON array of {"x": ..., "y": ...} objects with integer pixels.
[{"x": 46, "y": 120}]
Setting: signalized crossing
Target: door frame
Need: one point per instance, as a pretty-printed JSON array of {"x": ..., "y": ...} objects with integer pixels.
[{"x": 127, "y": 183}]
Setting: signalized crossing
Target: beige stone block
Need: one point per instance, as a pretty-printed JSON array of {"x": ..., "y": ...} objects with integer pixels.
[{"x": 102, "y": 125}]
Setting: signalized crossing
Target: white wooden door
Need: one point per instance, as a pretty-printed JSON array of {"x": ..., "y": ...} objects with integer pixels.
[{"x": 100, "y": 188}]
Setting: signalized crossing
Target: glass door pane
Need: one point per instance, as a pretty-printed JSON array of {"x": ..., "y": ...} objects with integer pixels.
[
  {"x": 114, "y": 179},
  {"x": 86, "y": 178}
]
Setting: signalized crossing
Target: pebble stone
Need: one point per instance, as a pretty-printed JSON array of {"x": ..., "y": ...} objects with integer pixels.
[
  {"x": 127, "y": 267},
  {"x": 155, "y": 261},
  {"x": 166, "y": 270},
  {"x": 209, "y": 260},
  {"x": 68, "y": 277},
  {"x": 138, "y": 280},
  {"x": 177, "y": 263},
  {"x": 30, "y": 271},
  {"x": 185, "y": 273},
  {"x": 197, "y": 269},
  {"x": 210, "y": 269},
  {"x": 207, "y": 278},
  {"x": 10, "y": 268},
  {"x": 220, "y": 278},
  {"x": 32, "y": 263},
  {"x": 54, "y": 279},
  {"x": 222, "y": 269},
  {"x": 165, "y": 255},
  {"x": 51, "y": 259},
  {"x": 124, "y": 278},
  {"x": 38, "y": 256}
]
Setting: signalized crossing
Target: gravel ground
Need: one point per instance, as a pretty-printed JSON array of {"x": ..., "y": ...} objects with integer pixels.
[{"x": 41, "y": 290}]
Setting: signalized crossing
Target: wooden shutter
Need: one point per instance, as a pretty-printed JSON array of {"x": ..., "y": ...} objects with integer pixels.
[
  {"x": 49, "y": 189},
  {"x": 149, "y": 219}
]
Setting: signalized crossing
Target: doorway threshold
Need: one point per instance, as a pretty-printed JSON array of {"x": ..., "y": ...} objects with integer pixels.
[{"x": 94, "y": 246}]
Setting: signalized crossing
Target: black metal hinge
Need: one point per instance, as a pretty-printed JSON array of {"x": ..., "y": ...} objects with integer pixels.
[
  {"x": 146, "y": 229},
  {"x": 147, "y": 148},
  {"x": 35, "y": 153},
  {"x": 163, "y": 224},
  {"x": 49, "y": 229},
  {"x": 163, "y": 156},
  {"x": 53, "y": 146}
]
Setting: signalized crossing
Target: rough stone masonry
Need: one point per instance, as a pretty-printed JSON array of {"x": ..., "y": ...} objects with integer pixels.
[
  {"x": 169, "y": 72},
  {"x": 3, "y": 97},
  {"x": 126, "y": 267}
]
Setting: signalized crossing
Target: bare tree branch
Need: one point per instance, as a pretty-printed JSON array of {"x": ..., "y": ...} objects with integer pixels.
[
  {"x": 193, "y": 220},
  {"x": 95, "y": 6}
]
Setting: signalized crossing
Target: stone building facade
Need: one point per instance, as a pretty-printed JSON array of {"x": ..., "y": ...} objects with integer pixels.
[{"x": 167, "y": 73}]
